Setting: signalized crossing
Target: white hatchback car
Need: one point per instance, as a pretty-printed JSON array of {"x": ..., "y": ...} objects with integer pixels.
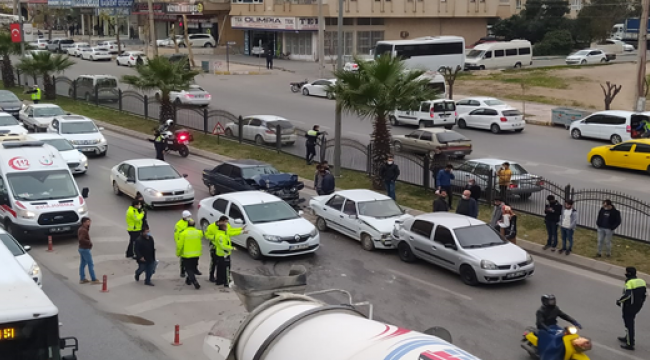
[
  {"x": 157, "y": 181},
  {"x": 9, "y": 123},
  {"x": 464, "y": 245},
  {"x": 77, "y": 48},
  {"x": 195, "y": 95},
  {"x": 96, "y": 53},
  {"x": 82, "y": 133},
  {"x": 274, "y": 228},
  {"x": 77, "y": 161},
  {"x": 37, "y": 117},
  {"x": 587, "y": 56},
  {"x": 319, "y": 88},
  {"x": 468, "y": 104},
  {"x": 131, "y": 58},
  {"x": 262, "y": 129},
  {"x": 494, "y": 119},
  {"x": 24, "y": 259},
  {"x": 363, "y": 215}
]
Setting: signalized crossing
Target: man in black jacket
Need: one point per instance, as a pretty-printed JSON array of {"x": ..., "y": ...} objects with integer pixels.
[
  {"x": 609, "y": 218},
  {"x": 631, "y": 303},
  {"x": 474, "y": 189},
  {"x": 145, "y": 255},
  {"x": 546, "y": 316},
  {"x": 440, "y": 204},
  {"x": 438, "y": 162},
  {"x": 389, "y": 173},
  {"x": 553, "y": 211}
]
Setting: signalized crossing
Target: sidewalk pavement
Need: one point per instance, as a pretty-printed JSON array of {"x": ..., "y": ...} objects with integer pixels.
[{"x": 600, "y": 267}]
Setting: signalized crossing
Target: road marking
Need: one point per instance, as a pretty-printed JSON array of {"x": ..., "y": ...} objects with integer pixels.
[
  {"x": 163, "y": 301},
  {"x": 190, "y": 331},
  {"x": 437, "y": 287},
  {"x": 617, "y": 352}
]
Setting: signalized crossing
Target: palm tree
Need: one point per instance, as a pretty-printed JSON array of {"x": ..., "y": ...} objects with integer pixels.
[
  {"x": 377, "y": 89},
  {"x": 46, "y": 64},
  {"x": 28, "y": 66},
  {"x": 161, "y": 74},
  {"x": 7, "y": 49}
]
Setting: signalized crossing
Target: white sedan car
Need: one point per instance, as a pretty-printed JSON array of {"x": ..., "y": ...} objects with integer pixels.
[
  {"x": 262, "y": 129},
  {"x": 22, "y": 257},
  {"x": 77, "y": 48},
  {"x": 468, "y": 104},
  {"x": 81, "y": 132},
  {"x": 77, "y": 161},
  {"x": 131, "y": 58},
  {"x": 37, "y": 117},
  {"x": 363, "y": 215},
  {"x": 274, "y": 228},
  {"x": 494, "y": 119},
  {"x": 587, "y": 56},
  {"x": 157, "y": 181},
  {"x": 9, "y": 123},
  {"x": 170, "y": 41},
  {"x": 29, "y": 53},
  {"x": 319, "y": 88},
  {"x": 195, "y": 95},
  {"x": 96, "y": 53}
]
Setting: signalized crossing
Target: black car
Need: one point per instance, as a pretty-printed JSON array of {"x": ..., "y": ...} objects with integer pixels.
[
  {"x": 10, "y": 103},
  {"x": 180, "y": 57},
  {"x": 246, "y": 175}
]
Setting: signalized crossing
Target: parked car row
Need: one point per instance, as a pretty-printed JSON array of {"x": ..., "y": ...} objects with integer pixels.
[{"x": 195, "y": 40}]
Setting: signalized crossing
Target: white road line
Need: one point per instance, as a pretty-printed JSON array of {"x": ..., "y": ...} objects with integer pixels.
[
  {"x": 617, "y": 352},
  {"x": 171, "y": 299},
  {"x": 437, "y": 287},
  {"x": 190, "y": 331}
]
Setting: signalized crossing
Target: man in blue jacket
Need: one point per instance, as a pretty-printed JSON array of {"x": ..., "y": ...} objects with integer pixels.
[
  {"x": 443, "y": 181},
  {"x": 327, "y": 182}
]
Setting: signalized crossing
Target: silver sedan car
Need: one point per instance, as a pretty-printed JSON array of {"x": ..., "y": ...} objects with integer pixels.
[
  {"x": 262, "y": 129},
  {"x": 464, "y": 245},
  {"x": 195, "y": 95}
]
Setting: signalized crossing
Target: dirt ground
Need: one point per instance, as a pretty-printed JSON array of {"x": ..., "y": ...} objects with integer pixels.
[{"x": 576, "y": 87}]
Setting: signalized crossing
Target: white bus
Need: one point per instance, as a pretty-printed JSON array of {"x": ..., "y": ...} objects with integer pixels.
[
  {"x": 427, "y": 53},
  {"x": 29, "y": 324}
]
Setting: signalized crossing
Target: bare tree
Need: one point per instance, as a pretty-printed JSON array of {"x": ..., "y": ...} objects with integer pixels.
[
  {"x": 610, "y": 93},
  {"x": 450, "y": 77}
]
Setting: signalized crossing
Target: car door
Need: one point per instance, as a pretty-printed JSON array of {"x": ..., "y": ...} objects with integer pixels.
[
  {"x": 123, "y": 58},
  {"x": 252, "y": 129},
  {"x": 219, "y": 208},
  {"x": 590, "y": 127},
  {"x": 473, "y": 118},
  {"x": 482, "y": 175},
  {"x": 221, "y": 177},
  {"x": 640, "y": 159},
  {"x": 244, "y": 124},
  {"x": 236, "y": 181},
  {"x": 463, "y": 173},
  {"x": 445, "y": 248},
  {"x": 467, "y": 106},
  {"x": 24, "y": 115},
  {"x": 410, "y": 141},
  {"x": 419, "y": 237},
  {"x": 613, "y": 125},
  {"x": 234, "y": 213},
  {"x": 408, "y": 116},
  {"x": 619, "y": 155},
  {"x": 131, "y": 185},
  {"x": 594, "y": 57},
  {"x": 350, "y": 219},
  {"x": 489, "y": 117},
  {"x": 423, "y": 115},
  {"x": 318, "y": 88},
  {"x": 426, "y": 142},
  {"x": 120, "y": 177},
  {"x": 332, "y": 212}
]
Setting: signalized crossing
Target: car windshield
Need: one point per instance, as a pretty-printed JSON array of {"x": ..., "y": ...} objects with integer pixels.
[
  {"x": 444, "y": 106},
  {"x": 6, "y": 96},
  {"x": 42, "y": 185},
  {"x": 12, "y": 245},
  {"x": 475, "y": 54},
  {"x": 494, "y": 102},
  {"x": 8, "y": 120},
  {"x": 249, "y": 173},
  {"x": 283, "y": 124},
  {"x": 380, "y": 208},
  {"x": 107, "y": 83},
  {"x": 48, "y": 112},
  {"x": 478, "y": 236},
  {"x": 159, "y": 172},
  {"x": 196, "y": 90},
  {"x": 78, "y": 127},
  {"x": 582, "y": 52},
  {"x": 450, "y": 136},
  {"x": 60, "y": 144},
  {"x": 270, "y": 212},
  {"x": 515, "y": 168}
]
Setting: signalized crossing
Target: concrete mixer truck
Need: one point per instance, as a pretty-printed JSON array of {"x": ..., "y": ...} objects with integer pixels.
[{"x": 281, "y": 322}]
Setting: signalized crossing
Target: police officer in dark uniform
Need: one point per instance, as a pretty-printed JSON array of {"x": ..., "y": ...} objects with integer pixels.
[
  {"x": 159, "y": 144},
  {"x": 631, "y": 303},
  {"x": 312, "y": 140}
]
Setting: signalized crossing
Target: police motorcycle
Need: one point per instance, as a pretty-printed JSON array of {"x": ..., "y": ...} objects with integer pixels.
[
  {"x": 176, "y": 140},
  {"x": 297, "y": 85},
  {"x": 574, "y": 345}
]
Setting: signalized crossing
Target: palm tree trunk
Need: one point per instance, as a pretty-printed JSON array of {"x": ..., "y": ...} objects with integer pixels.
[
  {"x": 166, "y": 109},
  {"x": 8, "y": 78},
  {"x": 380, "y": 149},
  {"x": 50, "y": 90}
]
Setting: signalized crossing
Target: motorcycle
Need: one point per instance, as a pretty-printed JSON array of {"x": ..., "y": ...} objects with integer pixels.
[
  {"x": 296, "y": 86},
  {"x": 574, "y": 345},
  {"x": 177, "y": 141}
]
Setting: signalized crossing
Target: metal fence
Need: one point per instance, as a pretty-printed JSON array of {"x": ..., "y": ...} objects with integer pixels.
[{"x": 415, "y": 169}]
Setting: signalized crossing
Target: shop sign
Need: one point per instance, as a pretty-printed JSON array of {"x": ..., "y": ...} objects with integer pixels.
[
  {"x": 85, "y": 3},
  {"x": 143, "y": 8},
  {"x": 115, "y": 3},
  {"x": 274, "y": 23},
  {"x": 174, "y": 8},
  {"x": 59, "y": 3},
  {"x": 113, "y": 11}
]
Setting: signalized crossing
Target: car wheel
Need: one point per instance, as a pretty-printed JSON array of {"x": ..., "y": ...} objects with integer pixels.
[
  {"x": 253, "y": 249},
  {"x": 481, "y": 67},
  {"x": 449, "y": 127},
  {"x": 405, "y": 253},
  {"x": 495, "y": 129},
  {"x": 576, "y": 134},
  {"x": 116, "y": 189},
  {"x": 102, "y": 154},
  {"x": 321, "y": 224},
  {"x": 87, "y": 97},
  {"x": 92, "y": 58},
  {"x": 583, "y": 62},
  {"x": 204, "y": 224},
  {"x": 367, "y": 243},
  {"x": 12, "y": 230},
  {"x": 616, "y": 139},
  {"x": 212, "y": 190},
  {"x": 305, "y": 91},
  {"x": 603, "y": 60},
  {"x": 597, "y": 162},
  {"x": 330, "y": 96},
  {"x": 117, "y": 62},
  {"x": 468, "y": 275},
  {"x": 398, "y": 146},
  {"x": 228, "y": 133},
  {"x": 462, "y": 124},
  {"x": 393, "y": 120},
  {"x": 517, "y": 65},
  {"x": 259, "y": 141},
  {"x": 648, "y": 170}
]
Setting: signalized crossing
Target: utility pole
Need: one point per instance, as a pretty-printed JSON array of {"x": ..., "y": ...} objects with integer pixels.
[
  {"x": 321, "y": 39},
  {"x": 22, "y": 32},
  {"x": 190, "y": 54},
  {"x": 642, "y": 49},
  {"x": 152, "y": 29},
  {"x": 337, "y": 117}
]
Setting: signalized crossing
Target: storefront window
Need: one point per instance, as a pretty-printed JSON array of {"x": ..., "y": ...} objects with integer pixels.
[
  {"x": 366, "y": 41},
  {"x": 298, "y": 43},
  {"x": 331, "y": 42}
]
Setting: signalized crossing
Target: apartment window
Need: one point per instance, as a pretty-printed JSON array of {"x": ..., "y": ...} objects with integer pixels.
[
  {"x": 370, "y": 21},
  {"x": 576, "y": 4},
  {"x": 366, "y": 41},
  {"x": 518, "y": 4},
  {"x": 335, "y": 22},
  {"x": 331, "y": 42},
  {"x": 298, "y": 43},
  {"x": 504, "y": 2},
  {"x": 247, "y": 1}
]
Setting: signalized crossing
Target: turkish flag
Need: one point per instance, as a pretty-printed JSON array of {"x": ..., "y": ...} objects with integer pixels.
[{"x": 15, "y": 32}]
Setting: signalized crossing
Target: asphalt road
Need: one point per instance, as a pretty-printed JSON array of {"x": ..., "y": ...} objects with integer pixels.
[{"x": 487, "y": 321}]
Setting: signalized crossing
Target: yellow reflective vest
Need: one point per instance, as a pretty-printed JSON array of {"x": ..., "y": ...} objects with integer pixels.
[
  {"x": 189, "y": 243},
  {"x": 134, "y": 219},
  {"x": 37, "y": 94},
  {"x": 220, "y": 240},
  {"x": 179, "y": 227}
]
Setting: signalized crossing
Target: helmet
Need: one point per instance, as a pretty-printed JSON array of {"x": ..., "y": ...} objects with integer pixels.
[
  {"x": 169, "y": 122},
  {"x": 548, "y": 300}
]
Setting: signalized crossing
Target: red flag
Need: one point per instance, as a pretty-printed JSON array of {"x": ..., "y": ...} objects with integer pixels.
[{"x": 15, "y": 32}]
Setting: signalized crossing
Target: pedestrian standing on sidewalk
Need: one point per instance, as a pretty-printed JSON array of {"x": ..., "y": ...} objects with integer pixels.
[
  {"x": 145, "y": 208},
  {"x": 443, "y": 182},
  {"x": 496, "y": 213},
  {"x": 178, "y": 229},
  {"x": 568, "y": 223},
  {"x": 389, "y": 173},
  {"x": 134, "y": 216},
  {"x": 269, "y": 58},
  {"x": 189, "y": 248},
  {"x": 438, "y": 162},
  {"x": 609, "y": 218},
  {"x": 311, "y": 142},
  {"x": 328, "y": 183},
  {"x": 145, "y": 255},
  {"x": 86, "y": 257},
  {"x": 552, "y": 212},
  {"x": 440, "y": 203},
  {"x": 504, "y": 175},
  {"x": 467, "y": 205},
  {"x": 510, "y": 232},
  {"x": 474, "y": 189}
]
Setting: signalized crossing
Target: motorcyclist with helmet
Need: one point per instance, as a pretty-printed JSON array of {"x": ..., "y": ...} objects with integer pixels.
[
  {"x": 160, "y": 138},
  {"x": 549, "y": 312}
]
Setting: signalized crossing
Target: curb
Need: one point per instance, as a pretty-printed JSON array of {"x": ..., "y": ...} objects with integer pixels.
[
  {"x": 243, "y": 72},
  {"x": 538, "y": 122},
  {"x": 274, "y": 67}
]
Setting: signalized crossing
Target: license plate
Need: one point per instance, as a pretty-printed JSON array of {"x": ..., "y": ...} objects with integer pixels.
[
  {"x": 198, "y": 96},
  {"x": 59, "y": 229},
  {"x": 515, "y": 274},
  {"x": 184, "y": 142},
  {"x": 298, "y": 247},
  {"x": 286, "y": 137},
  {"x": 87, "y": 150},
  {"x": 175, "y": 198},
  {"x": 458, "y": 153}
]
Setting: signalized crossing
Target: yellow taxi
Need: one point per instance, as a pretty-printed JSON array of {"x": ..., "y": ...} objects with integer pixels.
[{"x": 632, "y": 154}]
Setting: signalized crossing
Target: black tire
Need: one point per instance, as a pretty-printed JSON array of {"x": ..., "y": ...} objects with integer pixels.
[
  {"x": 321, "y": 224},
  {"x": 204, "y": 224},
  {"x": 116, "y": 189},
  {"x": 330, "y": 96},
  {"x": 518, "y": 66},
  {"x": 405, "y": 253},
  {"x": 597, "y": 162},
  {"x": 12, "y": 230},
  {"x": 393, "y": 121},
  {"x": 367, "y": 243},
  {"x": 495, "y": 129},
  {"x": 102, "y": 154},
  {"x": 576, "y": 134},
  {"x": 184, "y": 151},
  {"x": 603, "y": 60},
  {"x": 305, "y": 92},
  {"x": 228, "y": 133},
  {"x": 253, "y": 249},
  {"x": 397, "y": 146},
  {"x": 295, "y": 88},
  {"x": 481, "y": 67},
  {"x": 616, "y": 139},
  {"x": 462, "y": 124},
  {"x": 117, "y": 63},
  {"x": 583, "y": 62},
  {"x": 259, "y": 140},
  {"x": 449, "y": 127},
  {"x": 468, "y": 275},
  {"x": 212, "y": 190}
]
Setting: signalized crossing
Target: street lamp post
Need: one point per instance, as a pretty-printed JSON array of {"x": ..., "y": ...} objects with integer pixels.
[
  {"x": 321, "y": 39},
  {"x": 337, "y": 116},
  {"x": 152, "y": 29},
  {"x": 639, "y": 91}
]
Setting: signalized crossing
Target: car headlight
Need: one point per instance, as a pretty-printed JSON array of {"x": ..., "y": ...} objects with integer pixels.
[
  {"x": 189, "y": 187},
  {"x": 153, "y": 192},
  {"x": 313, "y": 233},
  {"x": 529, "y": 259},
  {"x": 102, "y": 141},
  {"x": 385, "y": 236},
  {"x": 25, "y": 214},
  {"x": 488, "y": 265},
  {"x": 272, "y": 238},
  {"x": 35, "y": 270},
  {"x": 82, "y": 209}
]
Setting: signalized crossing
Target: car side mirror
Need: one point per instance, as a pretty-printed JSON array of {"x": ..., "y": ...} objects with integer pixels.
[
  {"x": 238, "y": 221},
  {"x": 68, "y": 113},
  {"x": 84, "y": 192},
  {"x": 101, "y": 128},
  {"x": 353, "y": 217},
  {"x": 451, "y": 246},
  {"x": 301, "y": 213},
  {"x": 185, "y": 175},
  {"x": 27, "y": 248},
  {"x": 130, "y": 180}
]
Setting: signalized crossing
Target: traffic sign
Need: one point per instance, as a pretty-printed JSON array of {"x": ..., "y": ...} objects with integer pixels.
[{"x": 218, "y": 129}]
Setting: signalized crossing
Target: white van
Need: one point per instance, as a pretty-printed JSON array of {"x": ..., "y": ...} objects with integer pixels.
[
  {"x": 613, "y": 125},
  {"x": 38, "y": 195},
  {"x": 500, "y": 55},
  {"x": 439, "y": 112}
]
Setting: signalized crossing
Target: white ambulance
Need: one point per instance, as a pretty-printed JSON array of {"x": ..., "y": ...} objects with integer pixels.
[{"x": 38, "y": 195}]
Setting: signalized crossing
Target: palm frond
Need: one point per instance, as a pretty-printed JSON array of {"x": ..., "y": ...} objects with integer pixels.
[{"x": 161, "y": 74}]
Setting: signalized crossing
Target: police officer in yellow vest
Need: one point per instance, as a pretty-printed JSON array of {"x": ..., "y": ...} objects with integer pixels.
[
  {"x": 219, "y": 235},
  {"x": 188, "y": 248},
  {"x": 178, "y": 229},
  {"x": 310, "y": 143},
  {"x": 631, "y": 303},
  {"x": 36, "y": 94},
  {"x": 134, "y": 218}
]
